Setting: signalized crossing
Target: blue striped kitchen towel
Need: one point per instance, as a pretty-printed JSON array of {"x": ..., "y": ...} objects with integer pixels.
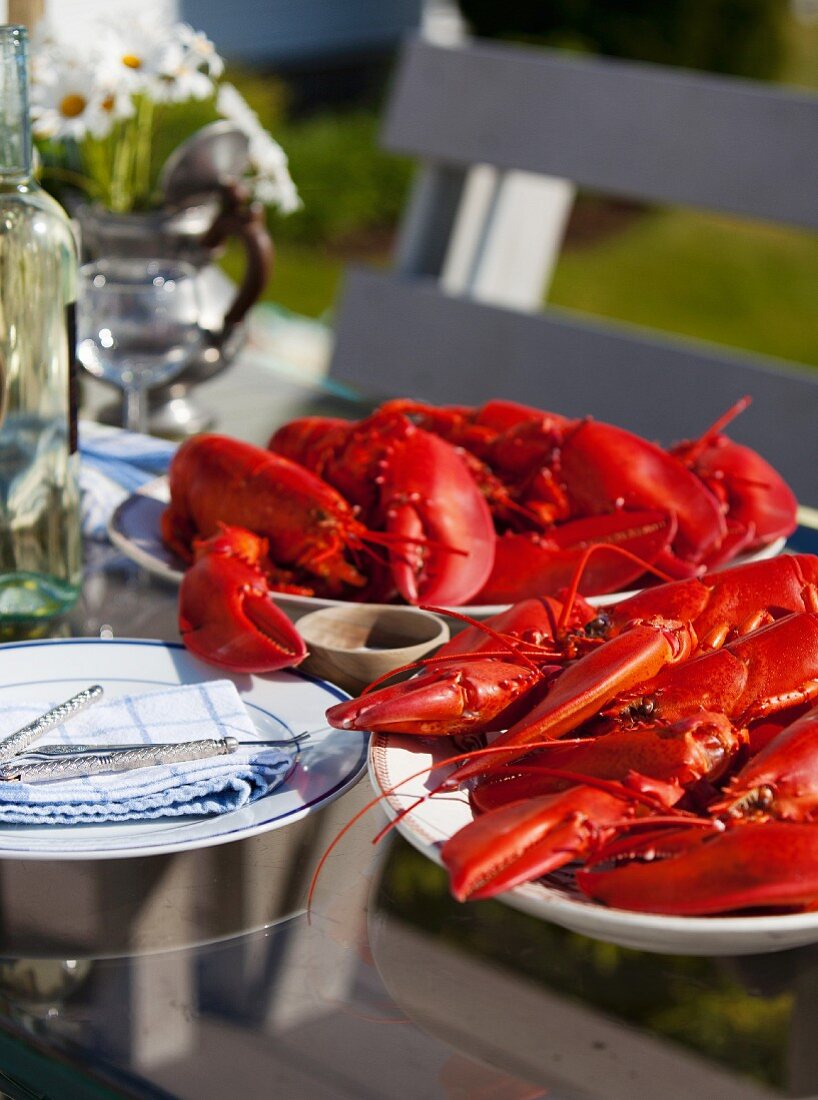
[
  {"x": 215, "y": 785},
  {"x": 113, "y": 464}
]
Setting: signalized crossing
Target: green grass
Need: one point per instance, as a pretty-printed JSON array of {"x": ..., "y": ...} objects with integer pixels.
[
  {"x": 741, "y": 284},
  {"x": 305, "y": 279},
  {"x": 746, "y": 285}
]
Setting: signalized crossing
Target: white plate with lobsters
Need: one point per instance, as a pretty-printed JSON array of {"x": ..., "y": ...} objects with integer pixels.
[
  {"x": 395, "y": 760},
  {"x": 134, "y": 529}
]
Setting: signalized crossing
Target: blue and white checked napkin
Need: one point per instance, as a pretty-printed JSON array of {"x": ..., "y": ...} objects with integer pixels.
[
  {"x": 113, "y": 464},
  {"x": 212, "y": 786}
]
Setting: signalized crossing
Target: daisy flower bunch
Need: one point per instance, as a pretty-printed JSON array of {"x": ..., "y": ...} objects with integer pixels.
[{"x": 98, "y": 103}]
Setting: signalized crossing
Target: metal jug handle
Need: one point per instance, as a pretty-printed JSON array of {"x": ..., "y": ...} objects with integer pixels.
[{"x": 241, "y": 218}]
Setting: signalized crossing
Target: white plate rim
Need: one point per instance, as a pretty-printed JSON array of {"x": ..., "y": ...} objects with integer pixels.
[
  {"x": 158, "y": 563},
  {"x": 734, "y": 935},
  {"x": 218, "y": 835}
]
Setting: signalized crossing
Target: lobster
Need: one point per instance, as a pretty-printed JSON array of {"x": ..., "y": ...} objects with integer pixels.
[
  {"x": 720, "y": 497},
  {"x": 605, "y": 653},
  {"x": 764, "y": 854},
  {"x": 758, "y": 503},
  {"x": 412, "y": 484},
  {"x": 440, "y": 553},
  {"x": 227, "y": 615},
  {"x": 526, "y": 830},
  {"x": 635, "y": 792},
  {"x": 308, "y": 526},
  {"x": 549, "y": 561}
]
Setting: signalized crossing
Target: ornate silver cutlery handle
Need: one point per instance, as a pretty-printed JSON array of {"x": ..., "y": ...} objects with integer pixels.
[
  {"x": 50, "y": 752},
  {"x": 92, "y": 764},
  {"x": 23, "y": 737}
]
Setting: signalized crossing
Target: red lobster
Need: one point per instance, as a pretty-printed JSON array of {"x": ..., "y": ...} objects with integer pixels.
[
  {"x": 718, "y": 607},
  {"x": 765, "y": 854},
  {"x": 651, "y": 743},
  {"x": 700, "y": 503},
  {"x": 441, "y": 553},
  {"x": 411, "y": 484},
  {"x": 309, "y": 528}
]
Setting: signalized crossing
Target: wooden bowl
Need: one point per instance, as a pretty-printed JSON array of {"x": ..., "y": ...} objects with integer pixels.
[{"x": 352, "y": 646}]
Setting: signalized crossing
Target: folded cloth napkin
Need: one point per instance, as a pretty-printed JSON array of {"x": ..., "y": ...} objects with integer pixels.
[
  {"x": 212, "y": 786},
  {"x": 113, "y": 464}
]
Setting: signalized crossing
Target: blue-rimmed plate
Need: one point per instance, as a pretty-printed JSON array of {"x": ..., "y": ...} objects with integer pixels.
[{"x": 281, "y": 704}]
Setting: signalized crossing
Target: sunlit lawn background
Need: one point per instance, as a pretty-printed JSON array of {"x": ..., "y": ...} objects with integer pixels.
[{"x": 739, "y": 283}]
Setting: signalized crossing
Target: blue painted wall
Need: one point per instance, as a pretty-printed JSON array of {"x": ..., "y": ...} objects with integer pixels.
[{"x": 295, "y": 30}]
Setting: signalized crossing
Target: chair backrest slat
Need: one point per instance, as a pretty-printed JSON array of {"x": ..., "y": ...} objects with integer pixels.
[
  {"x": 631, "y": 129},
  {"x": 405, "y": 337}
]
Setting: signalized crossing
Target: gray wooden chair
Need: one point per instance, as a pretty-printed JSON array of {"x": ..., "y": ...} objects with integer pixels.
[{"x": 656, "y": 134}]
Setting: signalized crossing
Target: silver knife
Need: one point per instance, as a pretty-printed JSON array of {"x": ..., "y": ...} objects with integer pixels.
[
  {"x": 51, "y": 752},
  {"x": 23, "y": 737},
  {"x": 145, "y": 756}
]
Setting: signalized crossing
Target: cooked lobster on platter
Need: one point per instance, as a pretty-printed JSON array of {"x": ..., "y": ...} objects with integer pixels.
[
  {"x": 667, "y": 744},
  {"x": 448, "y": 506}
]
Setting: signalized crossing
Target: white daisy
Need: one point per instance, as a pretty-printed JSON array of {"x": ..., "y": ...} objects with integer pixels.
[
  {"x": 178, "y": 79},
  {"x": 232, "y": 105},
  {"x": 67, "y": 102},
  {"x": 271, "y": 180},
  {"x": 136, "y": 55},
  {"x": 200, "y": 50}
]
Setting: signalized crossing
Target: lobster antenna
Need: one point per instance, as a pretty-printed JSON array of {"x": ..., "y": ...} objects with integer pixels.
[
  {"x": 573, "y": 588},
  {"x": 504, "y": 642},
  {"x": 451, "y": 658},
  {"x": 716, "y": 427},
  {"x": 610, "y": 786}
]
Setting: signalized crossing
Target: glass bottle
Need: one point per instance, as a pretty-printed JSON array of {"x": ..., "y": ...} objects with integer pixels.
[{"x": 40, "y": 544}]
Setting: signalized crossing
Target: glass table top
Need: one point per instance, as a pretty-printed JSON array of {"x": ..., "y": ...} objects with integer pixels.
[{"x": 203, "y": 974}]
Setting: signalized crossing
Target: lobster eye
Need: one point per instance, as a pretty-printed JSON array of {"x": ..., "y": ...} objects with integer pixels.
[
  {"x": 643, "y": 710},
  {"x": 598, "y": 627}
]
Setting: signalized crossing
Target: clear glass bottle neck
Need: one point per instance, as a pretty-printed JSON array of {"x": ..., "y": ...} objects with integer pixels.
[{"x": 15, "y": 125}]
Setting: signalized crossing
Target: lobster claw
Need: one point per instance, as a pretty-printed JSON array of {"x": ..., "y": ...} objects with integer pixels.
[
  {"x": 429, "y": 499},
  {"x": 529, "y": 838},
  {"x": 583, "y": 688},
  {"x": 759, "y": 505},
  {"x": 472, "y": 698},
  {"x": 605, "y": 467},
  {"x": 531, "y": 564},
  {"x": 695, "y": 873},
  {"x": 226, "y": 611}
]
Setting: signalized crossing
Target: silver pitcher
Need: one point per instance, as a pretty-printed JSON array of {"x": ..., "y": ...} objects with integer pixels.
[{"x": 205, "y": 205}]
